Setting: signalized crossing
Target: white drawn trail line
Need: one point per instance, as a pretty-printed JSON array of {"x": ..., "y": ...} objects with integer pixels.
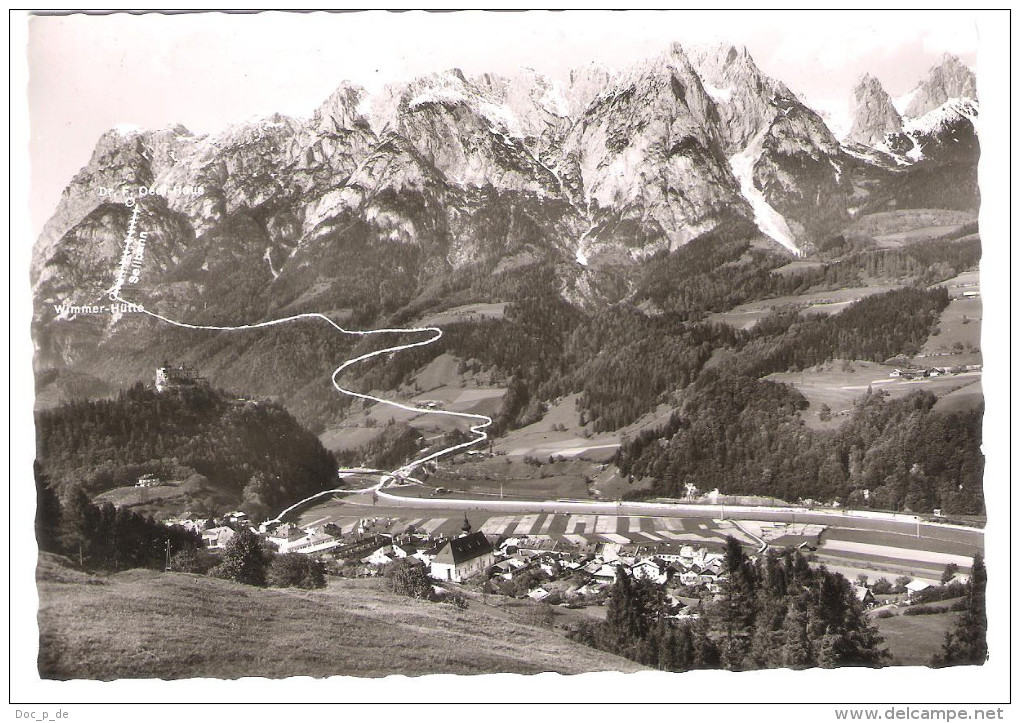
[
  {"x": 126, "y": 257},
  {"x": 404, "y": 472}
]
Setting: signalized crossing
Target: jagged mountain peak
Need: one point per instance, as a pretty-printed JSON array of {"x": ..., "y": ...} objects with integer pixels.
[
  {"x": 872, "y": 112},
  {"x": 449, "y": 88},
  {"x": 749, "y": 101},
  {"x": 540, "y": 109},
  {"x": 527, "y": 86},
  {"x": 470, "y": 134},
  {"x": 949, "y": 78},
  {"x": 721, "y": 56},
  {"x": 345, "y": 108},
  {"x": 722, "y": 62},
  {"x": 616, "y": 164},
  {"x": 583, "y": 85}
]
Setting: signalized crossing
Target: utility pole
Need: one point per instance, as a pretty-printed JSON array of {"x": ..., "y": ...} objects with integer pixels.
[{"x": 167, "y": 568}]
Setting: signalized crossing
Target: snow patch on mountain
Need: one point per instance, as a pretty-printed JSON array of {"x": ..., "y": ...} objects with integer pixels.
[
  {"x": 719, "y": 95},
  {"x": 580, "y": 255},
  {"x": 127, "y": 129},
  {"x": 268, "y": 258},
  {"x": 499, "y": 116},
  {"x": 551, "y": 99},
  {"x": 903, "y": 102},
  {"x": 915, "y": 154},
  {"x": 934, "y": 121},
  {"x": 769, "y": 221},
  {"x": 836, "y": 169}
]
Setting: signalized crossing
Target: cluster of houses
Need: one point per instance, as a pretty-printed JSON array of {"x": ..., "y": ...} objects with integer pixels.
[
  {"x": 592, "y": 567},
  {"x": 577, "y": 570},
  {"x": 920, "y": 373},
  {"x": 216, "y": 533}
]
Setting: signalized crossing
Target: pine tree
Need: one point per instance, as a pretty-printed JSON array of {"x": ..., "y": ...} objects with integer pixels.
[
  {"x": 967, "y": 642},
  {"x": 77, "y": 525},
  {"x": 244, "y": 560},
  {"x": 738, "y": 608},
  {"x": 47, "y": 513},
  {"x": 619, "y": 629}
]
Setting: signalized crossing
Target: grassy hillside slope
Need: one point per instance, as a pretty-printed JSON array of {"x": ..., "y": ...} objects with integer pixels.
[{"x": 145, "y": 624}]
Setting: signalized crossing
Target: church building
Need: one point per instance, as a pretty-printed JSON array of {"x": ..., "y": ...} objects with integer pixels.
[{"x": 463, "y": 557}]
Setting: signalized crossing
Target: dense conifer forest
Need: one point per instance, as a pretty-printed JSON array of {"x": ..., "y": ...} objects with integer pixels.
[
  {"x": 736, "y": 431},
  {"x": 743, "y": 436},
  {"x": 254, "y": 450},
  {"x": 776, "y": 612}
]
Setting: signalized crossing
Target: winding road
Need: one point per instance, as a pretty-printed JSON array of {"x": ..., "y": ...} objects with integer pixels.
[
  {"x": 874, "y": 522},
  {"x": 129, "y": 260}
]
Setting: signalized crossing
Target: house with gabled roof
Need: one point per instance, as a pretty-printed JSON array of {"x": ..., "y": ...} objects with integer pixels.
[
  {"x": 539, "y": 594},
  {"x": 462, "y": 557},
  {"x": 649, "y": 570},
  {"x": 217, "y": 537},
  {"x": 863, "y": 594},
  {"x": 916, "y": 586}
]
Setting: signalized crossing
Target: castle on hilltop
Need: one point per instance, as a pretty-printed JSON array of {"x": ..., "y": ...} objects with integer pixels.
[{"x": 171, "y": 377}]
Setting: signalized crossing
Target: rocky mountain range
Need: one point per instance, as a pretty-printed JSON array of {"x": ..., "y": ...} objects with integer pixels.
[
  {"x": 874, "y": 114},
  {"x": 949, "y": 79},
  {"x": 377, "y": 202},
  {"x": 939, "y": 111}
]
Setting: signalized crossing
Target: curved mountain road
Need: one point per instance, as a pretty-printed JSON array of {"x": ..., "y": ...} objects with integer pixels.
[
  {"x": 129, "y": 260},
  {"x": 899, "y": 524}
]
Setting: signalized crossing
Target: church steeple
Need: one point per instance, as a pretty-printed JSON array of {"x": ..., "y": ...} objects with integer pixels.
[{"x": 466, "y": 527}]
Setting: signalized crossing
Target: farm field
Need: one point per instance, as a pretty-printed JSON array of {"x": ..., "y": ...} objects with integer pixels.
[
  {"x": 929, "y": 543},
  {"x": 795, "y": 267},
  {"x": 339, "y": 439},
  {"x": 550, "y": 485},
  {"x": 914, "y": 639},
  {"x": 959, "y": 337},
  {"x": 745, "y": 316},
  {"x": 162, "y": 500},
  {"x": 108, "y": 627},
  {"x": 438, "y": 385},
  {"x": 963, "y": 282},
  {"x": 962, "y": 399},
  {"x": 894, "y": 228},
  {"x": 878, "y": 553},
  {"x": 468, "y": 312},
  {"x": 570, "y": 528},
  {"x": 839, "y": 383},
  {"x": 559, "y": 434}
]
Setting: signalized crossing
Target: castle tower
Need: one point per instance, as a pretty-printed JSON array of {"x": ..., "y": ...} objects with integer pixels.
[{"x": 162, "y": 377}]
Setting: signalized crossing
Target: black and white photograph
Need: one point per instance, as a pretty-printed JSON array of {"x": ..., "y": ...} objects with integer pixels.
[{"x": 380, "y": 357}]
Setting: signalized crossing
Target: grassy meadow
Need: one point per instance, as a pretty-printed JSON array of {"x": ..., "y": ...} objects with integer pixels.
[{"x": 146, "y": 624}]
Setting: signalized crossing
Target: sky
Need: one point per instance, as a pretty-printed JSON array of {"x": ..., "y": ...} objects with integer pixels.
[{"x": 207, "y": 70}]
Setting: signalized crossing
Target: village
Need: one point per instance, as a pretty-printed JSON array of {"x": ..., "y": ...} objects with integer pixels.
[
  {"x": 542, "y": 568},
  {"x": 932, "y": 372}
]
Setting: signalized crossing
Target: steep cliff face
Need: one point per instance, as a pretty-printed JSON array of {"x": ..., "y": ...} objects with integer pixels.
[
  {"x": 872, "y": 112},
  {"x": 375, "y": 201},
  {"x": 474, "y": 140},
  {"x": 123, "y": 157},
  {"x": 790, "y": 165},
  {"x": 539, "y": 107},
  {"x": 645, "y": 160},
  {"x": 949, "y": 79}
]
